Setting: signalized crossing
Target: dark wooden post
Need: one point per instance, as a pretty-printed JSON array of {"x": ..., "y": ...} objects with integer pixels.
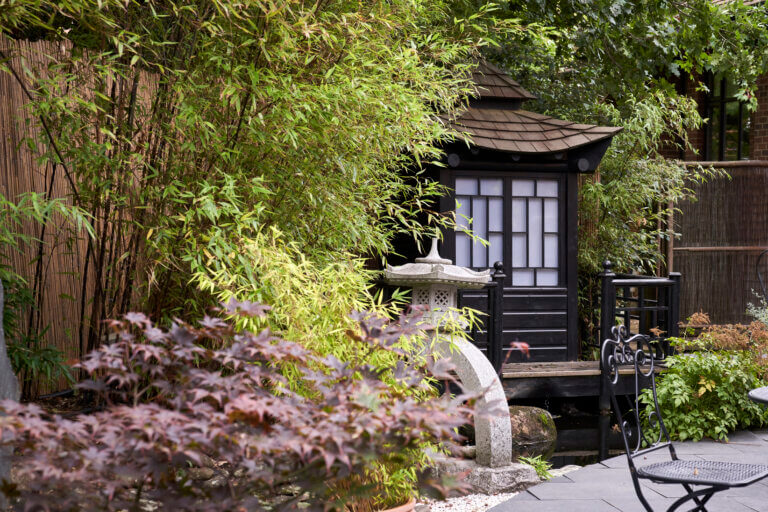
[
  {"x": 607, "y": 318},
  {"x": 496, "y": 348},
  {"x": 607, "y": 302},
  {"x": 673, "y": 325}
]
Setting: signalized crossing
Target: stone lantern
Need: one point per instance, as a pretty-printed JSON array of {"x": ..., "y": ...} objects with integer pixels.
[{"x": 435, "y": 282}]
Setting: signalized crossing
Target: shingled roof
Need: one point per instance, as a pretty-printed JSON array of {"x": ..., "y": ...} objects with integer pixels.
[
  {"x": 494, "y": 83},
  {"x": 519, "y": 131}
]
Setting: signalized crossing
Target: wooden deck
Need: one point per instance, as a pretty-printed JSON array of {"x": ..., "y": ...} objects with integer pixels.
[{"x": 561, "y": 379}]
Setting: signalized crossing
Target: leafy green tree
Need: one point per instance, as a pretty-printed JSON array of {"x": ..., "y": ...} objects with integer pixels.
[
  {"x": 615, "y": 48},
  {"x": 615, "y": 62},
  {"x": 202, "y": 135}
]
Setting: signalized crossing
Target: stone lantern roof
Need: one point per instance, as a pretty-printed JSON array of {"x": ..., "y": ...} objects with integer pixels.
[{"x": 433, "y": 269}]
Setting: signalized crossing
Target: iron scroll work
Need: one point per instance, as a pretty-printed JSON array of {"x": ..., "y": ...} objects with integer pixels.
[
  {"x": 700, "y": 479},
  {"x": 639, "y": 352}
]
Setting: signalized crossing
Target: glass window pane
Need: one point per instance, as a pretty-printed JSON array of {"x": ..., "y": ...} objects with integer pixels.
[
  {"x": 518, "y": 215},
  {"x": 546, "y": 277},
  {"x": 550, "y": 251},
  {"x": 546, "y": 188},
  {"x": 730, "y": 88},
  {"x": 496, "y": 249},
  {"x": 519, "y": 244},
  {"x": 535, "y": 224},
  {"x": 463, "y": 244},
  {"x": 495, "y": 214},
  {"x": 522, "y": 278},
  {"x": 462, "y": 212},
  {"x": 491, "y": 187},
  {"x": 747, "y": 121},
  {"x": 479, "y": 228},
  {"x": 479, "y": 219},
  {"x": 714, "y": 134},
  {"x": 522, "y": 188},
  {"x": 479, "y": 254},
  {"x": 466, "y": 186},
  {"x": 550, "y": 216}
]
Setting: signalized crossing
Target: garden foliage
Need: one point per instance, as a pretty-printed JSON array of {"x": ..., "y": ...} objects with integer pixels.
[
  {"x": 622, "y": 63},
  {"x": 31, "y": 354},
  {"x": 703, "y": 391},
  {"x": 172, "y": 397},
  {"x": 704, "y": 394},
  {"x": 204, "y": 137}
]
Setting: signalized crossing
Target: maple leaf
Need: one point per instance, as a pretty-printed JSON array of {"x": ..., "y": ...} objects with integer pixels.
[
  {"x": 139, "y": 319},
  {"x": 522, "y": 347}
]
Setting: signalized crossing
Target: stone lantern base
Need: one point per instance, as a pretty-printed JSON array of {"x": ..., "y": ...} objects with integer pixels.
[{"x": 510, "y": 478}]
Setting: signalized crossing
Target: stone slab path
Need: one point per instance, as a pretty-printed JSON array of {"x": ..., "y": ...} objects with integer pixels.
[{"x": 607, "y": 486}]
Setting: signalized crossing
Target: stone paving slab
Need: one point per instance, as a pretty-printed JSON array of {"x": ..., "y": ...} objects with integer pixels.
[{"x": 607, "y": 486}]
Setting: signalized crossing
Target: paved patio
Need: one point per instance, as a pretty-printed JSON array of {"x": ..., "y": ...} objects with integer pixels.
[{"x": 607, "y": 486}]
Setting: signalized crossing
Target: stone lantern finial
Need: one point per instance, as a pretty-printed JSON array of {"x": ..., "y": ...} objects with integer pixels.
[{"x": 434, "y": 256}]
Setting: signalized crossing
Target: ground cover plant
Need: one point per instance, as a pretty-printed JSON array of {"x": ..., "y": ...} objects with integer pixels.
[
  {"x": 703, "y": 390},
  {"x": 175, "y": 396},
  {"x": 541, "y": 466}
]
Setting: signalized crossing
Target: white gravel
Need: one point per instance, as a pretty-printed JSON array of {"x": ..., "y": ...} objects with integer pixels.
[
  {"x": 469, "y": 503},
  {"x": 482, "y": 502}
]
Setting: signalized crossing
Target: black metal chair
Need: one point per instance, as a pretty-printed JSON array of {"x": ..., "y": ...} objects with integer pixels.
[{"x": 701, "y": 479}]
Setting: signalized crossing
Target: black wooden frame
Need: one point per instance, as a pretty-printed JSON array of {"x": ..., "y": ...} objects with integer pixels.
[
  {"x": 720, "y": 102},
  {"x": 663, "y": 310},
  {"x": 563, "y": 171}
]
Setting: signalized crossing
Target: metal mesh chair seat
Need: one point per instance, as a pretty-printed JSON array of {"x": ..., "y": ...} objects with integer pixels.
[{"x": 701, "y": 472}]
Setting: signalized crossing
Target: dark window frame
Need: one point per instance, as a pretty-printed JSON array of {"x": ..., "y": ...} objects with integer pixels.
[{"x": 719, "y": 103}]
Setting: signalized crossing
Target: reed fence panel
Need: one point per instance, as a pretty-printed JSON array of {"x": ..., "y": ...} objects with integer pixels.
[
  {"x": 60, "y": 263},
  {"x": 722, "y": 235}
]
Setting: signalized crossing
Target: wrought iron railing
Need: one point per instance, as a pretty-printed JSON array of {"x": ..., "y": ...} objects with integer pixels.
[{"x": 647, "y": 305}]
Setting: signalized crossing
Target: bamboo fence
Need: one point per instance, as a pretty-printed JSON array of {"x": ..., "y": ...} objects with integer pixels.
[
  {"x": 722, "y": 234},
  {"x": 60, "y": 261}
]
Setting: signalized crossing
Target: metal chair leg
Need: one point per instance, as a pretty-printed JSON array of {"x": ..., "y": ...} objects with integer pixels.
[
  {"x": 699, "y": 502},
  {"x": 706, "y": 493}
]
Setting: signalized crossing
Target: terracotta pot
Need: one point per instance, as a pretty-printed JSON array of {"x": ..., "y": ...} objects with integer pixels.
[{"x": 408, "y": 507}]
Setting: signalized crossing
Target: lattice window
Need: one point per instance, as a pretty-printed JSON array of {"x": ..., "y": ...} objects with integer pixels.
[
  {"x": 535, "y": 232},
  {"x": 479, "y": 208},
  {"x": 421, "y": 296},
  {"x": 442, "y": 299}
]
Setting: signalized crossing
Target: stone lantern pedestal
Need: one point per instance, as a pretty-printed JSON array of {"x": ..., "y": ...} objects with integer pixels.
[{"x": 435, "y": 282}]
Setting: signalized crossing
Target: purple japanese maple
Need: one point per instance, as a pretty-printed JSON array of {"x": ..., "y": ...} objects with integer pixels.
[{"x": 175, "y": 397}]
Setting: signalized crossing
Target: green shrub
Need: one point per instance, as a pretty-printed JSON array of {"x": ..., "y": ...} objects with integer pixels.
[{"x": 704, "y": 394}]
